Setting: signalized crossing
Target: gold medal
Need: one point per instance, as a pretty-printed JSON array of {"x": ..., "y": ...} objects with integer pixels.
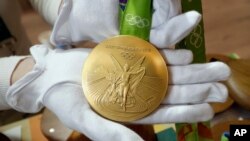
[{"x": 124, "y": 78}]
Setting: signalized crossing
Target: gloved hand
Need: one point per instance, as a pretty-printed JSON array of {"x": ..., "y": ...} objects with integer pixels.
[
  {"x": 97, "y": 20},
  {"x": 55, "y": 82}
]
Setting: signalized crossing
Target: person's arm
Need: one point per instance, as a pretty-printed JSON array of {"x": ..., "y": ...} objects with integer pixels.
[
  {"x": 23, "y": 67},
  {"x": 12, "y": 69}
]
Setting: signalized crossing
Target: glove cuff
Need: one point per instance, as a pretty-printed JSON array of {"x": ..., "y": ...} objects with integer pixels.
[
  {"x": 23, "y": 95},
  {"x": 7, "y": 65}
]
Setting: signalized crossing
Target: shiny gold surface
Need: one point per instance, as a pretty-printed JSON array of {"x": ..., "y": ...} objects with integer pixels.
[{"x": 124, "y": 78}]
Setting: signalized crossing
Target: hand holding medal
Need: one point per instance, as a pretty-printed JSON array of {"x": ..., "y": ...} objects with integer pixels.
[{"x": 190, "y": 87}]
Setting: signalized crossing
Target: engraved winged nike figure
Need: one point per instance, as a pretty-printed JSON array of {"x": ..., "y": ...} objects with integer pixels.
[
  {"x": 118, "y": 87},
  {"x": 127, "y": 84}
]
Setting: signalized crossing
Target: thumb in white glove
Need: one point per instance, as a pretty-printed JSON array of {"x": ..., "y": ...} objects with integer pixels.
[
  {"x": 55, "y": 83},
  {"x": 98, "y": 20}
]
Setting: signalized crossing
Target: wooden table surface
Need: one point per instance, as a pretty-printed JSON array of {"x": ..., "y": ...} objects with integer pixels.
[{"x": 227, "y": 26}]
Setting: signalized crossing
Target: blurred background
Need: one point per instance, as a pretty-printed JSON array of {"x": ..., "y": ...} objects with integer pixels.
[{"x": 227, "y": 25}]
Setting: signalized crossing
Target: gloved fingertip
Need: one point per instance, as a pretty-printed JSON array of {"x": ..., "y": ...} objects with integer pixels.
[
  {"x": 193, "y": 17},
  {"x": 200, "y": 113},
  {"x": 223, "y": 95},
  {"x": 224, "y": 70},
  {"x": 210, "y": 114},
  {"x": 219, "y": 94},
  {"x": 188, "y": 54}
]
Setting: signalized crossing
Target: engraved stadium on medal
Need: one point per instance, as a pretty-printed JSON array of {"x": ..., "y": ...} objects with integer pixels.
[{"x": 124, "y": 78}]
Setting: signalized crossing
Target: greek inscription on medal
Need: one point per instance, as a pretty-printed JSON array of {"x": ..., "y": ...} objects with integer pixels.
[{"x": 130, "y": 48}]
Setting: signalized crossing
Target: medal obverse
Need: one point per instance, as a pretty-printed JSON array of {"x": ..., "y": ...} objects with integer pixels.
[{"x": 124, "y": 78}]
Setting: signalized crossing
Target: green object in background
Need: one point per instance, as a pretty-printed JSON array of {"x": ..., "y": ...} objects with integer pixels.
[
  {"x": 233, "y": 56},
  {"x": 225, "y": 136},
  {"x": 135, "y": 18},
  {"x": 195, "y": 42}
]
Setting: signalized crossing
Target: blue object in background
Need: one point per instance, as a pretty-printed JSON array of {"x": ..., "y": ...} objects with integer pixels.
[{"x": 167, "y": 135}]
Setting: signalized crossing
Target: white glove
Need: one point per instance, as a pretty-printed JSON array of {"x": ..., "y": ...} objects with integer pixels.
[
  {"x": 55, "y": 82},
  {"x": 96, "y": 20},
  {"x": 48, "y": 9},
  {"x": 7, "y": 65}
]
